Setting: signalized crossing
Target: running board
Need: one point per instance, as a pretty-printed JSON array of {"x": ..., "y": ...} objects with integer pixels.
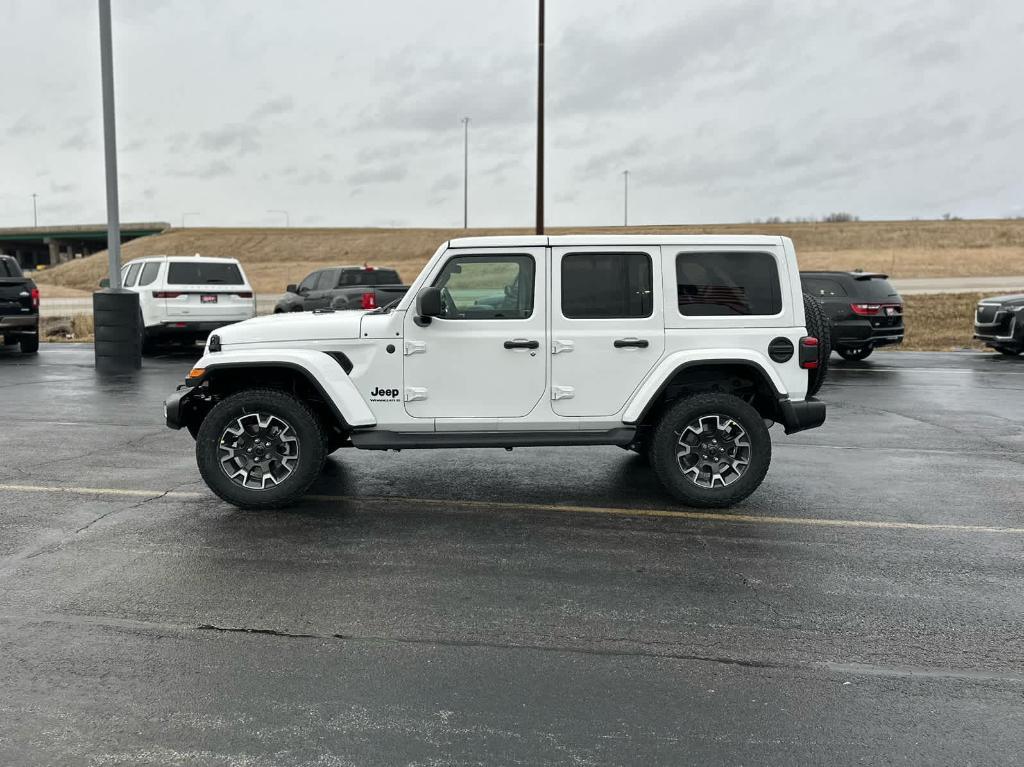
[{"x": 402, "y": 440}]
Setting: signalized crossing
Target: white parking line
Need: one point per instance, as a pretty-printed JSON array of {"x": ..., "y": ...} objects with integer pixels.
[{"x": 704, "y": 516}]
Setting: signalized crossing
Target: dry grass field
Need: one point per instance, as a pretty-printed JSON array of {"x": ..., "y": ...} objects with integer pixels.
[{"x": 275, "y": 257}]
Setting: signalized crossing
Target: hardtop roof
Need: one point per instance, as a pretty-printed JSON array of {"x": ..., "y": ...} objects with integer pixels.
[{"x": 611, "y": 240}]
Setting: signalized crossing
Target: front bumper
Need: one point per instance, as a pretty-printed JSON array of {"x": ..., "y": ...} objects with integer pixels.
[
  {"x": 1005, "y": 331},
  {"x": 26, "y": 323},
  {"x": 798, "y": 416},
  {"x": 178, "y": 407}
]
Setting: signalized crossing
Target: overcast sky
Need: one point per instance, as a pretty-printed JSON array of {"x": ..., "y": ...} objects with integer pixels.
[{"x": 348, "y": 113}]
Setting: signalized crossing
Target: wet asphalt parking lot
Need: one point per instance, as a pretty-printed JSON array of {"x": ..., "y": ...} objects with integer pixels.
[{"x": 546, "y": 606}]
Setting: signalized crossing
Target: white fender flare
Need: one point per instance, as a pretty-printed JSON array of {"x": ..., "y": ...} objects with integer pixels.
[
  {"x": 321, "y": 370},
  {"x": 673, "y": 363}
]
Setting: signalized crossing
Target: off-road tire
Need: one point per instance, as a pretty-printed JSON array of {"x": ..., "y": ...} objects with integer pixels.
[
  {"x": 29, "y": 344},
  {"x": 312, "y": 447},
  {"x": 664, "y": 449},
  {"x": 856, "y": 354},
  {"x": 817, "y": 326}
]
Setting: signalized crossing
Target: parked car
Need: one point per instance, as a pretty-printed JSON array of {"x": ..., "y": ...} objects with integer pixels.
[
  {"x": 183, "y": 298},
  {"x": 999, "y": 324},
  {"x": 684, "y": 348},
  {"x": 863, "y": 309},
  {"x": 343, "y": 287},
  {"x": 19, "y": 307}
]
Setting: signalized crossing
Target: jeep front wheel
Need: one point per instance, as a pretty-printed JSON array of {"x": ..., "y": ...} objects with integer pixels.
[
  {"x": 260, "y": 448},
  {"x": 711, "y": 450}
]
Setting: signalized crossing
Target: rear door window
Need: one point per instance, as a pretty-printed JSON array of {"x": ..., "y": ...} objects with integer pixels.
[
  {"x": 606, "y": 285},
  {"x": 203, "y": 273},
  {"x": 129, "y": 278},
  {"x": 149, "y": 272},
  {"x": 725, "y": 284}
]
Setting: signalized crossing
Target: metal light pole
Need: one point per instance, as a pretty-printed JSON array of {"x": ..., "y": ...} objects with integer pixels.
[
  {"x": 185, "y": 215},
  {"x": 287, "y": 220},
  {"x": 116, "y": 315},
  {"x": 625, "y": 198},
  {"x": 540, "y": 119},
  {"x": 35, "y": 218},
  {"x": 465, "y": 175}
]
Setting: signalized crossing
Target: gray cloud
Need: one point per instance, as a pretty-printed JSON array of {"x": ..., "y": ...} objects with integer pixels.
[
  {"x": 238, "y": 139},
  {"x": 207, "y": 171},
  {"x": 381, "y": 174},
  {"x": 25, "y": 125},
  {"x": 447, "y": 183},
  {"x": 273, "y": 107},
  {"x": 79, "y": 140}
]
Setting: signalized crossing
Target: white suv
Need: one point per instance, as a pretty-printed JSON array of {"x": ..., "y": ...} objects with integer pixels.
[
  {"x": 184, "y": 298},
  {"x": 685, "y": 348}
]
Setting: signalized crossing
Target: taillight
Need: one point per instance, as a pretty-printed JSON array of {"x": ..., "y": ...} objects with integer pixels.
[
  {"x": 165, "y": 294},
  {"x": 369, "y": 300},
  {"x": 35, "y": 298},
  {"x": 245, "y": 294},
  {"x": 866, "y": 310},
  {"x": 809, "y": 352}
]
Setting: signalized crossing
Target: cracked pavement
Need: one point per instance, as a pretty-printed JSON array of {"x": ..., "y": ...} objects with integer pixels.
[{"x": 410, "y": 615}]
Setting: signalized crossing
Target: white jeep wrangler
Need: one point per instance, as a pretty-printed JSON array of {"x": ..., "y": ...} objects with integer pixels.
[{"x": 684, "y": 348}]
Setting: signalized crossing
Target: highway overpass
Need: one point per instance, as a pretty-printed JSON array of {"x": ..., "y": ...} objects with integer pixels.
[{"x": 52, "y": 245}]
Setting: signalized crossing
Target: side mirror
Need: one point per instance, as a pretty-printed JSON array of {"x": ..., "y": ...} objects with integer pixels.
[
  {"x": 105, "y": 282},
  {"x": 428, "y": 304},
  {"x": 292, "y": 288}
]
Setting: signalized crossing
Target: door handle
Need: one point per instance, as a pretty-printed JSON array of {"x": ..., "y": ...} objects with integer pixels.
[
  {"x": 521, "y": 343},
  {"x": 637, "y": 343}
]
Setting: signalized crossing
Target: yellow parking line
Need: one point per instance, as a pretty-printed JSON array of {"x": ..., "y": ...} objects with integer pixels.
[{"x": 703, "y": 516}]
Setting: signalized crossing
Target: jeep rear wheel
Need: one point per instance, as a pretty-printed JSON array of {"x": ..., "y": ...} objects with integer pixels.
[
  {"x": 260, "y": 448},
  {"x": 711, "y": 450}
]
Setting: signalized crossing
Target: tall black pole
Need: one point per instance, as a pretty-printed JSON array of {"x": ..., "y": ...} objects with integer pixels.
[
  {"x": 110, "y": 146},
  {"x": 540, "y": 120},
  {"x": 119, "y": 332},
  {"x": 465, "y": 175}
]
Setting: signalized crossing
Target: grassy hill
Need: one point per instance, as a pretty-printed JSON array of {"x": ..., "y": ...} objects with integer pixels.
[{"x": 273, "y": 257}]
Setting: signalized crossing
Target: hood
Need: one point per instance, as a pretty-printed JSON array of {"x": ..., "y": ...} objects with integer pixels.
[
  {"x": 294, "y": 326},
  {"x": 1006, "y": 301}
]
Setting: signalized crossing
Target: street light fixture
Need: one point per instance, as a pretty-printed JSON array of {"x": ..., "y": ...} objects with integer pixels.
[{"x": 287, "y": 221}]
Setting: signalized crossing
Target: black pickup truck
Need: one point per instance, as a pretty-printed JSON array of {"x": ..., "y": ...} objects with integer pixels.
[
  {"x": 343, "y": 287},
  {"x": 19, "y": 307}
]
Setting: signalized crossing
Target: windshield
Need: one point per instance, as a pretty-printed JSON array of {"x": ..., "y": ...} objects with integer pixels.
[{"x": 203, "y": 273}]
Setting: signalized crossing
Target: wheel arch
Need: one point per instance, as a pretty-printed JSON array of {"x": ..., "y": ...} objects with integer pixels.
[
  {"x": 319, "y": 379},
  {"x": 739, "y": 375}
]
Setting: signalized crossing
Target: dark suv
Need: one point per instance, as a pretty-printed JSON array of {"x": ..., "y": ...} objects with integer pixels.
[
  {"x": 864, "y": 310},
  {"x": 999, "y": 323},
  {"x": 19, "y": 307}
]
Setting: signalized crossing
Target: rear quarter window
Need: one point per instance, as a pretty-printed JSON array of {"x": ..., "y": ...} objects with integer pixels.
[
  {"x": 10, "y": 268},
  {"x": 203, "y": 273},
  {"x": 727, "y": 284},
  {"x": 874, "y": 288}
]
